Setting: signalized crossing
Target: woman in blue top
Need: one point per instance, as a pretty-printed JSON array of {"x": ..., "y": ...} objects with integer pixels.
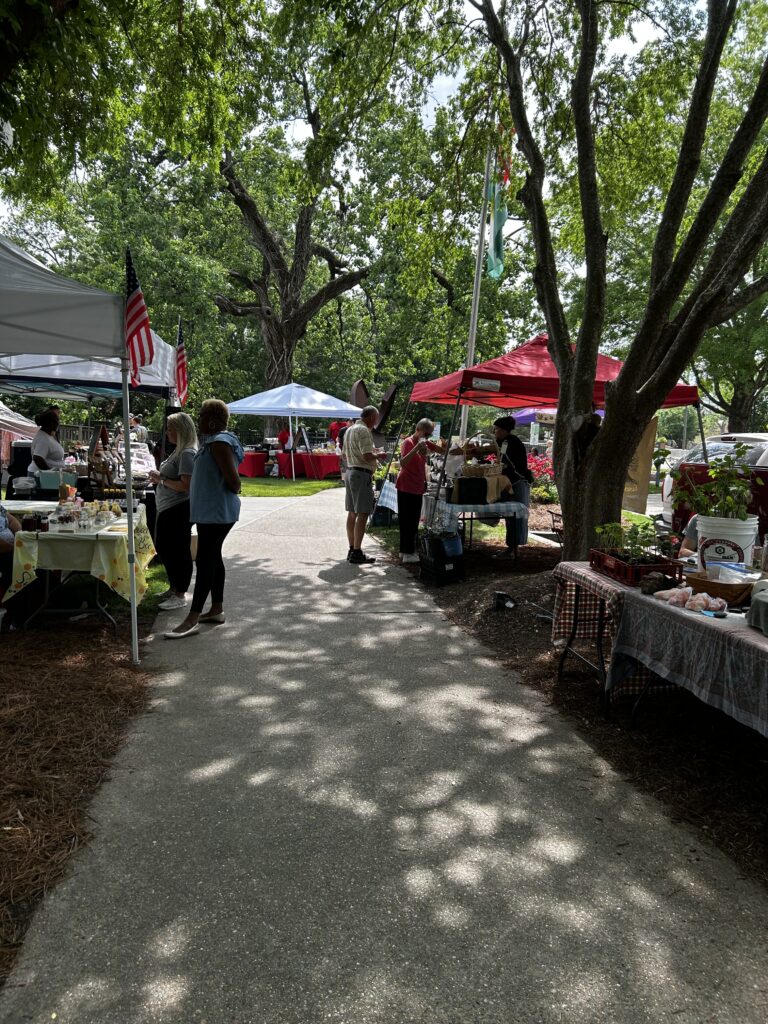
[{"x": 214, "y": 506}]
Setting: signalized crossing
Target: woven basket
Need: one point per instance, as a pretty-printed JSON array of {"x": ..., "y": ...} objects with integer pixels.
[
  {"x": 485, "y": 468},
  {"x": 734, "y": 593}
]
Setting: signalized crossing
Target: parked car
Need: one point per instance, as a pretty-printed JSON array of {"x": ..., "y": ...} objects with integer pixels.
[{"x": 692, "y": 467}]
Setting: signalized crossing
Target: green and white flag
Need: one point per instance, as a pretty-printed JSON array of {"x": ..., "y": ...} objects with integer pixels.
[{"x": 498, "y": 201}]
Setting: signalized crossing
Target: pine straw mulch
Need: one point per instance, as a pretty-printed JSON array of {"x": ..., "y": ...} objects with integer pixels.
[
  {"x": 66, "y": 696},
  {"x": 711, "y": 772}
]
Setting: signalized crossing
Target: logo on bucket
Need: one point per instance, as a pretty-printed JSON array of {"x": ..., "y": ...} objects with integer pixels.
[{"x": 720, "y": 550}]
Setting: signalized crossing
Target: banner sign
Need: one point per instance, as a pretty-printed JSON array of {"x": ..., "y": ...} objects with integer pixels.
[
  {"x": 484, "y": 384},
  {"x": 546, "y": 419},
  {"x": 639, "y": 474}
]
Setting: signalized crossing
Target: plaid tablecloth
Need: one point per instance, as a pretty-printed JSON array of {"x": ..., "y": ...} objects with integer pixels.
[
  {"x": 724, "y": 662},
  {"x": 594, "y": 587}
]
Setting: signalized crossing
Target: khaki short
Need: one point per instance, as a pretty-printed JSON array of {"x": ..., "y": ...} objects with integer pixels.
[{"x": 360, "y": 497}]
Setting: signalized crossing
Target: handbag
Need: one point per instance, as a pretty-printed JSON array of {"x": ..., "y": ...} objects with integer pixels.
[{"x": 388, "y": 496}]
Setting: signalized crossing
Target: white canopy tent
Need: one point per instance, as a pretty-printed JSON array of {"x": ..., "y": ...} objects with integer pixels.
[
  {"x": 45, "y": 314},
  {"x": 296, "y": 402},
  {"x": 73, "y": 378},
  {"x": 15, "y": 423}
]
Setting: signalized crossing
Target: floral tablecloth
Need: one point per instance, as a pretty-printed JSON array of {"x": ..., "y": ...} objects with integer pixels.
[{"x": 103, "y": 554}]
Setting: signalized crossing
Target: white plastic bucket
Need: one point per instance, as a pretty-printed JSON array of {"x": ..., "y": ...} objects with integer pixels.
[{"x": 726, "y": 540}]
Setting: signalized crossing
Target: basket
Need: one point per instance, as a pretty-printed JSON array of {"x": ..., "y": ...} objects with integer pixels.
[
  {"x": 485, "y": 468},
  {"x": 734, "y": 593},
  {"x": 610, "y": 565}
]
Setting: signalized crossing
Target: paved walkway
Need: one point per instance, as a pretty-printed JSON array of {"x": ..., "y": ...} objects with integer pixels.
[{"x": 341, "y": 810}]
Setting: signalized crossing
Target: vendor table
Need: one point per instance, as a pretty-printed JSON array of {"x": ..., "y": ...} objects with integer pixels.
[
  {"x": 319, "y": 466},
  {"x": 18, "y": 506},
  {"x": 588, "y": 606},
  {"x": 101, "y": 553},
  {"x": 447, "y": 516},
  {"x": 283, "y": 460},
  {"x": 253, "y": 464},
  {"x": 724, "y": 662}
]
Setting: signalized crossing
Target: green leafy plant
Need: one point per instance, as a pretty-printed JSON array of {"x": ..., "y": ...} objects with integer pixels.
[
  {"x": 544, "y": 494},
  {"x": 635, "y": 542},
  {"x": 728, "y": 490}
]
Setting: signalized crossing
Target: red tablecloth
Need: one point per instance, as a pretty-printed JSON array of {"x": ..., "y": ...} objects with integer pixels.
[
  {"x": 284, "y": 464},
  {"x": 253, "y": 464},
  {"x": 318, "y": 467}
]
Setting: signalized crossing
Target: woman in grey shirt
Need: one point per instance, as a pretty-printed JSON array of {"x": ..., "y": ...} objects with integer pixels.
[{"x": 173, "y": 530}]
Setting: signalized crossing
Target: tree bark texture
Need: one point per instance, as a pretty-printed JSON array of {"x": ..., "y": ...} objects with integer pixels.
[{"x": 696, "y": 280}]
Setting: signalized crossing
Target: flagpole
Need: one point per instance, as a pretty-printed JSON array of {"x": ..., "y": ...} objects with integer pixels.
[{"x": 476, "y": 287}]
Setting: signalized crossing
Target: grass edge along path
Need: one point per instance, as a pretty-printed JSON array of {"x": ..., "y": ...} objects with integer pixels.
[{"x": 278, "y": 487}]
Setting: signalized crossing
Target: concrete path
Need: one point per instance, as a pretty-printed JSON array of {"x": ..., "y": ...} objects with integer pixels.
[{"x": 341, "y": 810}]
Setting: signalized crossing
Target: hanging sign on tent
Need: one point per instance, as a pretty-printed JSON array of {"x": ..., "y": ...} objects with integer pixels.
[
  {"x": 484, "y": 384},
  {"x": 546, "y": 419}
]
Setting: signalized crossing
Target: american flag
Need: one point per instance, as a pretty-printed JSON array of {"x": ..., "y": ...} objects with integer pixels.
[
  {"x": 138, "y": 335},
  {"x": 181, "y": 368}
]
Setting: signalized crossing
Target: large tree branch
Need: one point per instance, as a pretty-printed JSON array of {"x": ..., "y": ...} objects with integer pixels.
[
  {"x": 532, "y": 193},
  {"x": 595, "y": 238},
  {"x": 297, "y": 323},
  {"x": 266, "y": 241},
  {"x": 740, "y": 300},
  {"x": 719, "y": 22},
  {"x": 446, "y": 284},
  {"x": 721, "y": 189},
  {"x": 335, "y": 263},
  {"x": 302, "y": 253},
  {"x": 243, "y": 308}
]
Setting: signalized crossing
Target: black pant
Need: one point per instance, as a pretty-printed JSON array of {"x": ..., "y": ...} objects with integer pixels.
[
  {"x": 408, "y": 515},
  {"x": 517, "y": 528},
  {"x": 173, "y": 532},
  {"x": 210, "y": 564}
]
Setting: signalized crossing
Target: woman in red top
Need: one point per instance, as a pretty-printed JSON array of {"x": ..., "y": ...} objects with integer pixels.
[{"x": 411, "y": 484}]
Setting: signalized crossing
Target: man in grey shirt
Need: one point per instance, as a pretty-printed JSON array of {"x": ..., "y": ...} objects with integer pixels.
[{"x": 360, "y": 459}]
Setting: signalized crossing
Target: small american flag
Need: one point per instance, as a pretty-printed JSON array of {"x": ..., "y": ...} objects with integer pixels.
[
  {"x": 138, "y": 335},
  {"x": 182, "y": 382}
]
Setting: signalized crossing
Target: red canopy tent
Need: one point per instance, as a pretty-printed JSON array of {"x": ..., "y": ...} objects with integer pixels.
[{"x": 526, "y": 376}]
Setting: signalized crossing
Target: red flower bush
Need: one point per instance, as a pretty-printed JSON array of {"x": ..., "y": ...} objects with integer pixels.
[{"x": 541, "y": 467}]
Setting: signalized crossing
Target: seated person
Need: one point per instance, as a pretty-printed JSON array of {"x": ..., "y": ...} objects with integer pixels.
[
  {"x": 514, "y": 466},
  {"x": 47, "y": 453},
  {"x": 690, "y": 544},
  {"x": 9, "y": 525}
]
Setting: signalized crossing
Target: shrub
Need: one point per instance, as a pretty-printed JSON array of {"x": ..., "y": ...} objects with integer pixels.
[{"x": 544, "y": 494}]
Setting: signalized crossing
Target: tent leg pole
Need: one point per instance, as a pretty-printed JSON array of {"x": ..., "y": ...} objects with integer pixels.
[
  {"x": 293, "y": 445},
  {"x": 701, "y": 431},
  {"x": 476, "y": 286},
  {"x": 441, "y": 481},
  {"x": 129, "y": 503}
]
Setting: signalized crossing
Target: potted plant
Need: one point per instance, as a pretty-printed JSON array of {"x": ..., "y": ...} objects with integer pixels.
[
  {"x": 726, "y": 529},
  {"x": 629, "y": 552}
]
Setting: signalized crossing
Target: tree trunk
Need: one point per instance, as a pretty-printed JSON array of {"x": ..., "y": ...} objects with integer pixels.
[
  {"x": 740, "y": 408},
  {"x": 591, "y": 479},
  {"x": 280, "y": 348}
]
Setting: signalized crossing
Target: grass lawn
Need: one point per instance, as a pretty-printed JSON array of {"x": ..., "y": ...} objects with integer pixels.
[{"x": 277, "y": 487}]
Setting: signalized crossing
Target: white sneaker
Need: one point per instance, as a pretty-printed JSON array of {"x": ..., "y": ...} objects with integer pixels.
[
  {"x": 407, "y": 559},
  {"x": 173, "y": 603}
]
